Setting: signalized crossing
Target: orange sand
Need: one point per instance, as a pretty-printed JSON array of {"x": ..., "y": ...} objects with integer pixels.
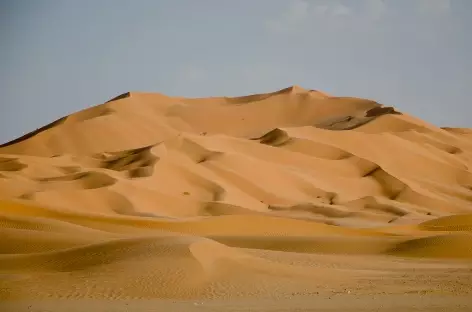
[{"x": 291, "y": 193}]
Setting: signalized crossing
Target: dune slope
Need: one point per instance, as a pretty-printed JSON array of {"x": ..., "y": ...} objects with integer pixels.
[{"x": 294, "y": 192}]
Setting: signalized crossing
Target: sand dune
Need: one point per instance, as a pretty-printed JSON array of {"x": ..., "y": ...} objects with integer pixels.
[{"x": 268, "y": 195}]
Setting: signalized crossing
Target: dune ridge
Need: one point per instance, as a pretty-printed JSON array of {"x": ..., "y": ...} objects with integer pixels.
[{"x": 265, "y": 195}]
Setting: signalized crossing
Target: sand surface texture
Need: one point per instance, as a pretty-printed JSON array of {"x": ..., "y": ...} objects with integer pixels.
[{"x": 290, "y": 195}]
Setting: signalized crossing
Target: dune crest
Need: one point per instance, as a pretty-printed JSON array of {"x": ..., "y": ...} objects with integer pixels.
[{"x": 289, "y": 192}]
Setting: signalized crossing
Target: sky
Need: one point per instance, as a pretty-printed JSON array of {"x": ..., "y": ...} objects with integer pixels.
[{"x": 61, "y": 56}]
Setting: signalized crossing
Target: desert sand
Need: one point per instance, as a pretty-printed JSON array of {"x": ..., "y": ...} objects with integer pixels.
[{"x": 294, "y": 199}]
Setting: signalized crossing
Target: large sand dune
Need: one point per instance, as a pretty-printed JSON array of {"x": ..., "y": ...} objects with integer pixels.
[{"x": 291, "y": 194}]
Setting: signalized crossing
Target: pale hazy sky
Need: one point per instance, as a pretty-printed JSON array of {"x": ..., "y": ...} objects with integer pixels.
[{"x": 60, "y": 56}]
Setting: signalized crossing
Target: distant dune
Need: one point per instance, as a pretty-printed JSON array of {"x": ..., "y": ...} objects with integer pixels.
[{"x": 276, "y": 195}]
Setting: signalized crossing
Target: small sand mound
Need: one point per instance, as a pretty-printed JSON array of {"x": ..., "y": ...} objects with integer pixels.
[
  {"x": 11, "y": 164},
  {"x": 449, "y": 223},
  {"x": 444, "y": 246},
  {"x": 343, "y": 122},
  {"x": 379, "y": 111},
  {"x": 193, "y": 150},
  {"x": 276, "y": 137},
  {"x": 136, "y": 162},
  {"x": 86, "y": 180}
]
